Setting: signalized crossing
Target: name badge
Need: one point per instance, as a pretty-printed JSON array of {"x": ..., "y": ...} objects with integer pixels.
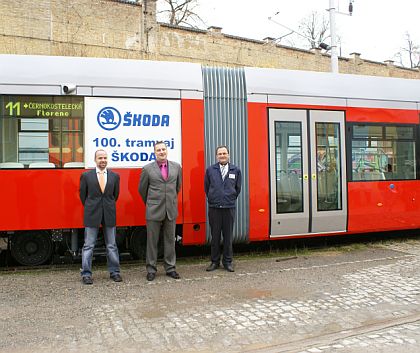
[{"x": 231, "y": 176}]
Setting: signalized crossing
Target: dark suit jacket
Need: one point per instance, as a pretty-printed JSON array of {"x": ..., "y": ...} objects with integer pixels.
[
  {"x": 99, "y": 208},
  {"x": 222, "y": 193},
  {"x": 160, "y": 196}
]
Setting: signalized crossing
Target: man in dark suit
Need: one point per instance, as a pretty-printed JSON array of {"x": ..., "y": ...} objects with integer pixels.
[
  {"x": 160, "y": 182},
  {"x": 222, "y": 184},
  {"x": 99, "y": 190}
]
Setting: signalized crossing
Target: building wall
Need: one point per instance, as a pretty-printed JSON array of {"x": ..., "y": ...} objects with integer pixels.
[
  {"x": 98, "y": 28},
  {"x": 119, "y": 29},
  {"x": 216, "y": 48}
]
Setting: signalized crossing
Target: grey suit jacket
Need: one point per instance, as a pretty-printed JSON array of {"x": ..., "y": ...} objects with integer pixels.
[
  {"x": 160, "y": 196},
  {"x": 99, "y": 207}
]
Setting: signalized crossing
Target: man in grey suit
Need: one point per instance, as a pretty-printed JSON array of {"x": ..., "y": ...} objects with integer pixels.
[
  {"x": 160, "y": 182},
  {"x": 99, "y": 190}
]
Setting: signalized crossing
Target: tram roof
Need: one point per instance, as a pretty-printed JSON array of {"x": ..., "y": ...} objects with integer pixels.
[
  {"x": 322, "y": 84},
  {"x": 105, "y": 72}
]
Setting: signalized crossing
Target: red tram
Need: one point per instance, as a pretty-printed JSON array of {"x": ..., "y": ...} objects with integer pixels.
[{"x": 321, "y": 153}]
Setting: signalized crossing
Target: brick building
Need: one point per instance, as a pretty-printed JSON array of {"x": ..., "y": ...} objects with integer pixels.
[{"x": 121, "y": 29}]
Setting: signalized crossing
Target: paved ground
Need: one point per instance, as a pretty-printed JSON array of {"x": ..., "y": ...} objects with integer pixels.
[{"x": 354, "y": 301}]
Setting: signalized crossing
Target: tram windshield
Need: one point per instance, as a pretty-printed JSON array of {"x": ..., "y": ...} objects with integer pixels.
[{"x": 41, "y": 129}]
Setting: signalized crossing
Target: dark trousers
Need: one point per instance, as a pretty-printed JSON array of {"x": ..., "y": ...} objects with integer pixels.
[
  {"x": 169, "y": 256},
  {"x": 221, "y": 221}
]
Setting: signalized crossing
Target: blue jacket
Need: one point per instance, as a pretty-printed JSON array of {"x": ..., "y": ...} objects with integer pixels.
[{"x": 222, "y": 194}]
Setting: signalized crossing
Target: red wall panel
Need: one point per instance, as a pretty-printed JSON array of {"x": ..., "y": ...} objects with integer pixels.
[
  {"x": 193, "y": 168},
  {"x": 381, "y": 115},
  {"x": 259, "y": 180},
  {"x": 49, "y": 198},
  {"x": 383, "y": 205}
]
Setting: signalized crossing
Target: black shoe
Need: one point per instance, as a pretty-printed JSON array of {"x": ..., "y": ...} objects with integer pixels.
[
  {"x": 116, "y": 277},
  {"x": 229, "y": 268},
  {"x": 150, "y": 276},
  {"x": 212, "y": 267},
  {"x": 174, "y": 275},
  {"x": 87, "y": 280}
]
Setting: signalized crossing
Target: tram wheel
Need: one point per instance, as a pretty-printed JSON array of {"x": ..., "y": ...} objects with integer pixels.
[{"x": 31, "y": 248}]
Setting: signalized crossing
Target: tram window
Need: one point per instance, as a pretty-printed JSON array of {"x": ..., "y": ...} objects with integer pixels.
[
  {"x": 33, "y": 147},
  {"x": 33, "y": 124},
  {"x": 41, "y": 129},
  {"x": 33, "y": 140},
  {"x": 399, "y": 132},
  {"x": 328, "y": 166},
  {"x": 288, "y": 156},
  {"x": 389, "y": 155},
  {"x": 367, "y": 131}
]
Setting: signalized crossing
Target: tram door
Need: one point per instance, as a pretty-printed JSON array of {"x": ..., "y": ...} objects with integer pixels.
[{"x": 307, "y": 172}]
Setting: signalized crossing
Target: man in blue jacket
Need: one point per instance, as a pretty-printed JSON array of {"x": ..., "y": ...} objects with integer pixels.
[{"x": 222, "y": 184}]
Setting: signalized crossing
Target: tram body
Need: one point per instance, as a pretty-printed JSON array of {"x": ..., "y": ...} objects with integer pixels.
[{"x": 321, "y": 153}]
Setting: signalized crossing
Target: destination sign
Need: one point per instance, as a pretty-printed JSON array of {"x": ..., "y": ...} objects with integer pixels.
[{"x": 43, "y": 107}]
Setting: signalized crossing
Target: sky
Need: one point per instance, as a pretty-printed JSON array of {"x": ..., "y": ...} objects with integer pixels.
[{"x": 376, "y": 29}]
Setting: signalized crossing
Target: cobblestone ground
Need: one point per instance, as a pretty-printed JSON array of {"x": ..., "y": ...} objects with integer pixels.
[{"x": 356, "y": 301}]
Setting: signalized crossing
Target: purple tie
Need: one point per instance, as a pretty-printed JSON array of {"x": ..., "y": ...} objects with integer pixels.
[{"x": 164, "y": 171}]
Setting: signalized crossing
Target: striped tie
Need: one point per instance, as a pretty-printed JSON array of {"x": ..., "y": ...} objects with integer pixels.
[{"x": 224, "y": 171}]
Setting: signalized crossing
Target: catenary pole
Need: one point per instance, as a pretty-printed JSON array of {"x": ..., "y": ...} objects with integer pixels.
[{"x": 334, "y": 55}]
